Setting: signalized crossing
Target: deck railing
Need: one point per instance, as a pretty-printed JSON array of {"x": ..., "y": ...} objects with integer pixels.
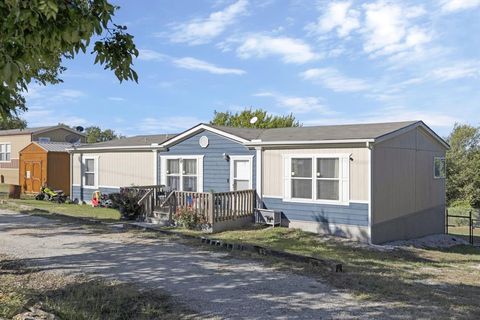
[{"x": 216, "y": 207}]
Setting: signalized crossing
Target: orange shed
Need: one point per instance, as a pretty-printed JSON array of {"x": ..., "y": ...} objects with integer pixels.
[{"x": 45, "y": 163}]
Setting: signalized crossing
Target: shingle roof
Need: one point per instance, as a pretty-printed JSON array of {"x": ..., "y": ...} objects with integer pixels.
[
  {"x": 333, "y": 132},
  {"x": 33, "y": 130},
  {"x": 142, "y": 140},
  {"x": 55, "y": 146},
  {"x": 315, "y": 133}
]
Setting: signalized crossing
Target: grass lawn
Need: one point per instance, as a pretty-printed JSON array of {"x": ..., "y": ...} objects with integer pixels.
[
  {"x": 77, "y": 297},
  {"x": 448, "y": 279},
  {"x": 84, "y": 211}
]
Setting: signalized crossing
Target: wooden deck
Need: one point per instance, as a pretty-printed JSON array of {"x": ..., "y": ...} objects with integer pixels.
[{"x": 221, "y": 210}]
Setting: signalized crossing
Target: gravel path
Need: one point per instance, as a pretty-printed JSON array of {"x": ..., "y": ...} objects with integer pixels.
[{"x": 211, "y": 283}]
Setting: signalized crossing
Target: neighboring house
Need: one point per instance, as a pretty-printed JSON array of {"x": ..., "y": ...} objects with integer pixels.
[
  {"x": 108, "y": 166},
  {"x": 14, "y": 140},
  {"x": 370, "y": 182},
  {"x": 45, "y": 163}
]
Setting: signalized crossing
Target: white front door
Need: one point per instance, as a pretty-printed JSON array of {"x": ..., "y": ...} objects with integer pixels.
[{"x": 240, "y": 173}]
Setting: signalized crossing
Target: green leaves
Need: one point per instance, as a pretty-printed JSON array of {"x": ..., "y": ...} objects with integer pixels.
[
  {"x": 264, "y": 120},
  {"x": 36, "y": 35},
  {"x": 463, "y": 163}
]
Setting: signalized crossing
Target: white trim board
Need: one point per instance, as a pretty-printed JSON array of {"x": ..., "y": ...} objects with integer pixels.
[{"x": 190, "y": 132}]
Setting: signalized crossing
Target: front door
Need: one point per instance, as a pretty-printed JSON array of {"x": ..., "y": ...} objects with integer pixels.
[
  {"x": 240, "y": 173},
  {"x": 33, "y": 176}
]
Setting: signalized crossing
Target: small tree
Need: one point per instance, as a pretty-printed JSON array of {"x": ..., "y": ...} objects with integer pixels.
[
  {"x": 95, "y": 134},
  {"x": 242, "y": 119},
  {"x": 36, "y": 36},
  {"x": 463, "y": 165}
]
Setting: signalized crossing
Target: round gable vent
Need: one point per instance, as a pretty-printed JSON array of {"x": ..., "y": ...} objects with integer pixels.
[{"x": 203, "y": 141}]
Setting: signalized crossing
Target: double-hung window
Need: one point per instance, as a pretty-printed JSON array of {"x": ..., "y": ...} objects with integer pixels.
[
  {"x": 5, "y": 152},
  {"x": 182, "y": 173},
  {"x": 317, "y": 178},
  {"x": 90, "y": 172}
]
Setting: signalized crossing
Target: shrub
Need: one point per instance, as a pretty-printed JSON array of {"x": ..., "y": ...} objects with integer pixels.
[
  {"x": 126, "y": 201},
  {"x": 189, "y": 218}
]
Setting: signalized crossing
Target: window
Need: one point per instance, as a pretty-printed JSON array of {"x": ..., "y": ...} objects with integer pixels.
[
  {"x": 328, "y": 179},
  {"x": 319, "y": 178},
  {"x": 302, "y": 178},
  {"x": 181, "y": 173},
  {"x": 43, "y": 139},
  {"x": 89, "y": 173},
  {"x": 5, "y": 152},
  {"x": 439, "y": 168}
]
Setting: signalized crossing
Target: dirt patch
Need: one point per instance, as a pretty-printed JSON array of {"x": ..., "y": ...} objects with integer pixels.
[{"x": 432, "y": 241}]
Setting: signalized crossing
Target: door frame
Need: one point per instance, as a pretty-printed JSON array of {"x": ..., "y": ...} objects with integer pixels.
[
  {"x": 40, "y": 178},
  {"x": 249, "y": 158}
]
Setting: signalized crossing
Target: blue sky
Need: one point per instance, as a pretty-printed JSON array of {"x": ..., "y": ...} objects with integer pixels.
[{"x": 326, "y": 62}]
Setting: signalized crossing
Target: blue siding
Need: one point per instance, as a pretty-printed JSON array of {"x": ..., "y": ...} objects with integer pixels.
[
  {"x": 355, "y": 214},
  {"x": 87, "y": 193},
  {"x": 216, "y": 170}
]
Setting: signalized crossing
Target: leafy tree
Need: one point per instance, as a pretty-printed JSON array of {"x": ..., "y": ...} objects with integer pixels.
[
  {"x": 12, "y": 123},
  {"x": 463, "y": 165},
  {"x": 37, "y": 35},
  {"x": 242, "y": 119},
  {"x": 95, "y": 134}
]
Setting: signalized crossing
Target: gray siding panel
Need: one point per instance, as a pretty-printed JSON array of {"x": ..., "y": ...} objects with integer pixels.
[
  {"x": 355, "y": 214},
  {"x": 84, "y": 194},
  {"x": 216, "y": 170}
]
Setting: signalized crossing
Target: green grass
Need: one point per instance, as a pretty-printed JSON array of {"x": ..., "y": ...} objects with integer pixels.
[
  {"x": 82, "y": 211},
  {"x": 74, "y": 298},
  {"x": 447, "y": 279}
]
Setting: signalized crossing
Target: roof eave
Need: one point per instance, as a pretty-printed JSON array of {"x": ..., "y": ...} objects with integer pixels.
[
  {"x": 121, "y": 148},
  {"x": 306, "y": 143}
]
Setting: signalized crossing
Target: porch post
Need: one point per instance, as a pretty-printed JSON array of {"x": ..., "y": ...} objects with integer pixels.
[{"x": 258, "y": 168}]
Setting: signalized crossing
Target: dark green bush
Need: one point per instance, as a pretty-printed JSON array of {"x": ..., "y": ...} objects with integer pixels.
[{"x": 126, "y": 201}]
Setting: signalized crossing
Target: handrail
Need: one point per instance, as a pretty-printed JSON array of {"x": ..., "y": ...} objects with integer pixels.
[
  {"x": 144, "y": 196},
  {"x": 172, "y": 193}
]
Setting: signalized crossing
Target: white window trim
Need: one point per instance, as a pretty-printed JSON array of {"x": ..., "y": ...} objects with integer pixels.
[
  {"x": 84, "y": 160},
  {"x": 434, "y": 160},
  {"x": 7, "y": 143},
  {"x": 344, "y": 178},
  {"x": 232, "y": 170},
  {"x": 163, "y": 169}
]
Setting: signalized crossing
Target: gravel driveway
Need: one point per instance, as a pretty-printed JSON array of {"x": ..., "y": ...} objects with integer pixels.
[{"x": 211, "y": 283}]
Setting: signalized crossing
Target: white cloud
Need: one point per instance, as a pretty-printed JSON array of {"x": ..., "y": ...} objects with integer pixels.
[
  {"x": 151, "y": 55},
  {"x": 441, "y": 121},
  {"x": 195, "y": 64},
  {"x": 459, "y": 70},
  {"x": 331, "y": 78},
  {"x": 290, "y": 50},
  {"x": 201, "y": 31},
  {"x": 116, "y": 99},
  {"x": 339, "y": 16},
  {"x": 38, "y": 116},
  {"x": 389, "y": 28},
  {"x": 459, "y": 5},
  {"x": 297, "y": 105}
]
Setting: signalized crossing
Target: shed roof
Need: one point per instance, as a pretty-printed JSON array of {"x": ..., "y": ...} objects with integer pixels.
[{"x": 54, "y": 146}]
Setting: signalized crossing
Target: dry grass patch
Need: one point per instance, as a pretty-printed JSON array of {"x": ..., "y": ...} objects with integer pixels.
[{"x": 74, "y": 297}]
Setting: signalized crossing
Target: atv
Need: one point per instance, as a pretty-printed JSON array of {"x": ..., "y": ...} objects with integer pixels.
[{"x": 51, "y": 195}]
